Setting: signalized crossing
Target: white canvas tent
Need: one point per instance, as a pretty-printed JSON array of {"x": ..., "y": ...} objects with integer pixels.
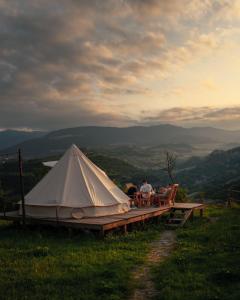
[{"x": 75, "y": 187}]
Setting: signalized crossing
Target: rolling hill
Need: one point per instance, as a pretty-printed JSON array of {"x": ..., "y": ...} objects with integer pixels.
[
  {"x": 58, "y": 141},
  {"x": 10, "y": 138},
  {"x": 211, "y": 176}
]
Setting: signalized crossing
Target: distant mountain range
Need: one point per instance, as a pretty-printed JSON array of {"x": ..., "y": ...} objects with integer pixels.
[
  {"x": 58, "y": 141},
  {"x": 10, "y": 138}
]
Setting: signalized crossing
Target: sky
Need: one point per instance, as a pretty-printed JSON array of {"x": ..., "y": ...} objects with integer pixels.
[{"x": 67, "y": 63}]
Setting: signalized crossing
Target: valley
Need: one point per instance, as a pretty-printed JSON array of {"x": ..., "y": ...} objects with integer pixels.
[{"x": 201, "y": 170}]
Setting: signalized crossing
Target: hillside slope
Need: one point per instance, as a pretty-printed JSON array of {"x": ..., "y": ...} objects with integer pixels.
[
  {"x": 214, "y": 175},
  {"x": 10, "y": 138}
]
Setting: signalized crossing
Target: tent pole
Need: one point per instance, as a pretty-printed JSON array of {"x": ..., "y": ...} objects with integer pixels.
[{"x": 21, "y": 186}]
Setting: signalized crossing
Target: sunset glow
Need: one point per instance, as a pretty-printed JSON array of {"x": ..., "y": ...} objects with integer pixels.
[{"x": 119, "y": 63}]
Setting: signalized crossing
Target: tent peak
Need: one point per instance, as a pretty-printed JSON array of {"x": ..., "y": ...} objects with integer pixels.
[
  {"x": 74, "y": 146},
  {"x": 74, "y": 150}
]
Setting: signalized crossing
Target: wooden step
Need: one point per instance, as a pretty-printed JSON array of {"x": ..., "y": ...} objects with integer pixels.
[{"x": 179, "y": 222}]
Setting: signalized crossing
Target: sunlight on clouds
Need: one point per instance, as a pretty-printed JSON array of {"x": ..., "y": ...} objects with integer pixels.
[
  {"x": 69, "y": 63},
  {"x": 191, "y": 115}
]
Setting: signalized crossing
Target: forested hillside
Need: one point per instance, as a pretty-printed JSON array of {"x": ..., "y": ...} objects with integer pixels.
[
  {"x": 210, "y": 177},
  {"x": 213, "y": 175}
]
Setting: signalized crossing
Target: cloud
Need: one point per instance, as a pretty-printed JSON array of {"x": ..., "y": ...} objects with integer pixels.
[
  {"x": 170, "y": 10},
  {"x": 227, "y": 117},
  {"x": 224, "y": 113},
  {"x": 66, "y": 63},
  {"x": 228, "y": 10}
]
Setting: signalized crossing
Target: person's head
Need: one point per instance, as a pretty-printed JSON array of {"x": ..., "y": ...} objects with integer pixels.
[{"x": 144, "y": 181}]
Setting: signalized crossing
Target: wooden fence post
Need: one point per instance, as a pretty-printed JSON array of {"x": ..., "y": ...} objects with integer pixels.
[
  {"x": 21, "y": 186},
  {"x": 4, "y": 208}
]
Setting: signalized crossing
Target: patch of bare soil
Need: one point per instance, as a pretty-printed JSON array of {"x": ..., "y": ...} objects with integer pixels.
[{"x": 160, "y": 250}]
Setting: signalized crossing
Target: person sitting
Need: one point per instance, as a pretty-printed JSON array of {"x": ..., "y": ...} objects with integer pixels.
[
  {"x": 164, "y": 191},
  {"x": 146, "y": 189}
]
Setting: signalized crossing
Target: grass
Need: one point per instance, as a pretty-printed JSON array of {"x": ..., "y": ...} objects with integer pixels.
[
  {"x": 51, "y": 264},
  {"x": 206, "y": 262}
]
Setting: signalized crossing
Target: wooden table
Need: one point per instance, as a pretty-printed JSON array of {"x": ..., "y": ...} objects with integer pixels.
[
  {"x": 160, "y": 200},
  {"x": 139, "y": 201}
]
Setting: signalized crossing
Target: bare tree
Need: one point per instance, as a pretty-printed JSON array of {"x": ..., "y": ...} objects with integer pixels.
[{"x": 170, "y": 162}]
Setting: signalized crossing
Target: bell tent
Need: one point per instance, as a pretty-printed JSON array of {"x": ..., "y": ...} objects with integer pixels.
[{"x": 75, "y": 188}]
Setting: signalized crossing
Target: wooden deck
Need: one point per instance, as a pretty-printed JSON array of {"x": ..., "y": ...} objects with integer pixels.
[
  {"x": 102, "y": 224},
  {"x": 188, "y": 206}
]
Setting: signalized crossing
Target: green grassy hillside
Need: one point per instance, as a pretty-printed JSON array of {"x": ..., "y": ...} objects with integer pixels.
[
  {"x": 51, "y": 264},
  {"x": 206, "y": 262}
]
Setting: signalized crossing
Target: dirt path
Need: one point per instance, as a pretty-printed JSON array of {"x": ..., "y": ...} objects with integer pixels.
[{"x": 160, "y": 249}]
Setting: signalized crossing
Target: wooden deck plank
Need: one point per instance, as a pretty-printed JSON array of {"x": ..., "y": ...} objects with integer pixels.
[
  {"x": 106, "y": 222},
  {"x": 188, "y": 205},
  {"x": 101, "y": 221},
  {"x": 144, "y": 215}
]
